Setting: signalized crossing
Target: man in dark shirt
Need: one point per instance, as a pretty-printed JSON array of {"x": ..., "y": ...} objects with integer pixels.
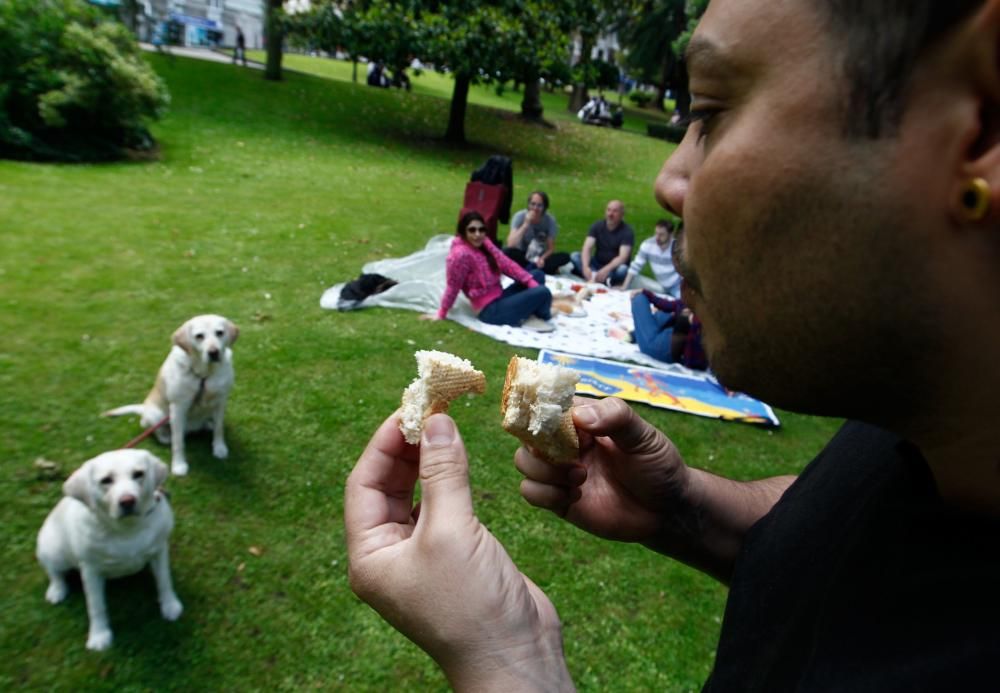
[
  {"x": 840, "y": 192},
  {"x": 607, "y": 250}
]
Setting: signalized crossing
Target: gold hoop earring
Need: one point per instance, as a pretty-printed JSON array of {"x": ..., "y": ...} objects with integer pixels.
[{"x": 975, "y": 199}]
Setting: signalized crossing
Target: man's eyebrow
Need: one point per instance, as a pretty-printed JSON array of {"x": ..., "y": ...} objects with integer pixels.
[{"x": 706, "y": 58}]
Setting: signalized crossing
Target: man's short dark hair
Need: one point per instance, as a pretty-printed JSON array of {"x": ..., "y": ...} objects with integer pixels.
[
  {"x": 665, "y": 223},
  {"x": 883, "y": 39}
]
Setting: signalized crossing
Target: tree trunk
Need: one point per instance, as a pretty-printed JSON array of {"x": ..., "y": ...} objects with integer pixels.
[
  {"x": 456, "y": 117},
  {"x": 579, "y": 96},
  {"x": 531, "y": 103},
  {"x": 679, "y": 85},
  {"x": 130, "y": 15},
  {"x": 354, "y": 71},
  {"x": 666, "y": 70},
  {"x": 275, "y": 38}
]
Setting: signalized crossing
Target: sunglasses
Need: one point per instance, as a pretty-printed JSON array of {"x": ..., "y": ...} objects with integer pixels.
[{"x": 475, "y": 229}]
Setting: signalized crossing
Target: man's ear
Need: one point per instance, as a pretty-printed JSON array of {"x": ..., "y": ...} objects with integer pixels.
[
  {"x": 78, "y": 485},
  {"x": 182, "y": 338},
  {"x": 975, "y": 51}
]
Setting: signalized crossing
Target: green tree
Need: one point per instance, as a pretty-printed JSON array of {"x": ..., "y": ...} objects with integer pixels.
[
  {"x": 73, "y": 84},
  {"x": 474, "y": 40},
  {"x": 544, "y": 43},
  {"x": 655, "y": 34},
  {"x": 589, "y": 18}
]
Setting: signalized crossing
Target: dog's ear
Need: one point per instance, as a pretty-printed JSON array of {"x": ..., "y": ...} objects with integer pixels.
[
  {"x": 159, "y": 470},
  {"x": 182, "y": 338},
  {"x": 232, "y": 332},
  {"x": 78, "y": 485}
]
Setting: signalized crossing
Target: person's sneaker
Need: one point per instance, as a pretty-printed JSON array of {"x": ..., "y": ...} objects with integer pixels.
[{"x": 536, "y": 324}]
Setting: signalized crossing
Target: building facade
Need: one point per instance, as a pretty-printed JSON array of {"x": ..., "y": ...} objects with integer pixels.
[{"x": 206, "y": 22}]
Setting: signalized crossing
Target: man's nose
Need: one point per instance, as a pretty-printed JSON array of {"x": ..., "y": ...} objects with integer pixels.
[{"x": 673, "y": 179}]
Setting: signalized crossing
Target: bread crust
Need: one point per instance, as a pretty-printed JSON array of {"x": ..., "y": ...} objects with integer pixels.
[
  {"x": 558, "y": 446},
  {"x": 441, "y": 378}
]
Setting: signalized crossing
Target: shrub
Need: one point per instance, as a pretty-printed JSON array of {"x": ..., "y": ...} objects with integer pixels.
[
  {"x": 73, "y": 85},
  {"x": 640, "y": 98},
  {"x": 672, "y": 132}
]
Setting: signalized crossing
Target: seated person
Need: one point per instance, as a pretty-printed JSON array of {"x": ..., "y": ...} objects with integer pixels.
[
  {"x": 532, "y": 239},
  {"x": 474, "y": 266},
  {"x": 672, "y": 333},
  {"x": 597, "y": 111},
  {"x": 658, "y": 251},
  {"x": 607, "y": 249}
]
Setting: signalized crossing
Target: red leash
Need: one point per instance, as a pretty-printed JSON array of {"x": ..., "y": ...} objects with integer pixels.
[{"x": 145, "y": 434}]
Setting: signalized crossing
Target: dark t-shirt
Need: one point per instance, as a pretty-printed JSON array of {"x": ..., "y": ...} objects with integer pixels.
[
  {"x": 608, "y": 243},
  {"x": 861, "y": 579}
]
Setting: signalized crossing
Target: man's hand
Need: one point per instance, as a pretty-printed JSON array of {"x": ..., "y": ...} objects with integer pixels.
[
  {"x": 436, "y": 573},
  {"x": 629, "y": 477}
]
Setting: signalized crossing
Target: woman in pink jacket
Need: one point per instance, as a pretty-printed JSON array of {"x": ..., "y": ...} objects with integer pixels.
[{"x": 474, "y": 266}]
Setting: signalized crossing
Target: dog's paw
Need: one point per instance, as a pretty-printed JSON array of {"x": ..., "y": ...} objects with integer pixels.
[
  {"x": 179, "y": 467},
  {"x": 99, "y": 639},
  {"x": 220, "y": 451},
  {"x": 171, "y": 608},
  {"x": 56, "y": 592}
]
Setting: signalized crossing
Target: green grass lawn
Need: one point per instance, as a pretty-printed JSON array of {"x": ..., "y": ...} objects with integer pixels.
[
  {"x": 264, "y": 195},
  {"x": 432, "y": 83}
]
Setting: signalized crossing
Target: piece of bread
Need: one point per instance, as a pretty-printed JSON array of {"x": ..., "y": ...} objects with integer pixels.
[
  {"x": 535, "y": 405},
  {"x": 441, "y": 377}
]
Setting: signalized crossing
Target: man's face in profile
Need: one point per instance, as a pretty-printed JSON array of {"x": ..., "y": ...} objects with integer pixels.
[{"x": 785, "y": 217}]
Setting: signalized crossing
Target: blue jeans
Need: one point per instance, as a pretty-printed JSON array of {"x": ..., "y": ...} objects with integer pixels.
[
  {"x": 652, "y": 330},
  {"x": 518, "y": 303},
  {"x": 617, "y": 274}
]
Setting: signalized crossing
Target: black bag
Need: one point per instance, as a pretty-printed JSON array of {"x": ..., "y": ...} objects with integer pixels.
[{"x": 357, "y": 290}]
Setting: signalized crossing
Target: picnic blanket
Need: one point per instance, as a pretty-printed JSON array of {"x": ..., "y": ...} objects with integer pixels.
[
  {"x": 602, "y": 331},
  {"x": 691, "y": 392},
  {"x": 595, "y": 342}
]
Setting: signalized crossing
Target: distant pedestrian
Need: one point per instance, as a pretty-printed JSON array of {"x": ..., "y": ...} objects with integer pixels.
[{"x": 241, "y": 47}]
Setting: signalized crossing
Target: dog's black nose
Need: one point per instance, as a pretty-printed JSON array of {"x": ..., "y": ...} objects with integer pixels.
[
  {"x": 213, "y": 354},
  {"x": 127, "y": 503}
]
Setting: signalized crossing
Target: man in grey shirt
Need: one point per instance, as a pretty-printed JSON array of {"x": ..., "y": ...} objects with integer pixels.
[{"x": 532, "y": 237}]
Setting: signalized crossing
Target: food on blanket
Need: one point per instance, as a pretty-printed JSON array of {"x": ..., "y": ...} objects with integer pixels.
[
  {"x": 535, "y": 406},
  {"x": 441, "y": 377},
  {"x": 569, "y": 308}
]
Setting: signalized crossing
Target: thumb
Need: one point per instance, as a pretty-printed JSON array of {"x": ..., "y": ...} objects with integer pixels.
[
  {"x": 613, "y": 418},
  {"x": 444, "y": 473}
]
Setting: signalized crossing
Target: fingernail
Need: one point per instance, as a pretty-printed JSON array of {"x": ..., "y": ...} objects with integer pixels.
[
  {"x": 439, "y": 431},
  {"x": 585, "y": 415}
]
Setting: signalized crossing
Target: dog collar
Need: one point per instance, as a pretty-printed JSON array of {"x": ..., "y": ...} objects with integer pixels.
[{"x": 159, "y": 495}]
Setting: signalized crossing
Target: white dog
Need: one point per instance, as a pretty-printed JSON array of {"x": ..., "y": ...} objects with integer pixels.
[
  {"x": 192, "y": 387},
  {"x": 112, "y": 521}
]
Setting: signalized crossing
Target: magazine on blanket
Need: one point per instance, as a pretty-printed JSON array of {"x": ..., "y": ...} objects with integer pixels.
[{"x": 683, "y": 390}]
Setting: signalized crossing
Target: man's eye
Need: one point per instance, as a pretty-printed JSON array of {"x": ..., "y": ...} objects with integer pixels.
[{"x": 704, "y": 118}]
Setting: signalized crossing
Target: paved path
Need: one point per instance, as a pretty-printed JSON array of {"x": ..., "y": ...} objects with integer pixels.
[{"x": 200, "y": 54}]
